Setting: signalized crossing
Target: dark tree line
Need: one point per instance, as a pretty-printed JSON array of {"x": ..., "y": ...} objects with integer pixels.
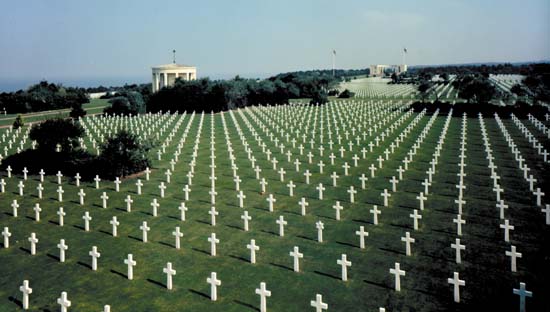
[
  {"x": 219, "y": 95},
  {"x": 42, "y": 96}
]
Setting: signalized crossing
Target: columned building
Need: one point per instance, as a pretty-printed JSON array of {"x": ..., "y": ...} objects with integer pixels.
[
  {"x": 381, "y": 70},
  {"x": 165, "y": 75}
]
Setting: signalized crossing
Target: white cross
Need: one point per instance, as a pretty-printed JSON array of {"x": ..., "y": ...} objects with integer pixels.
[
  {"x": 460, "y": 202},
  {"x": 26, "y": 290},
  {"x": 144, "y": 229},
  {"x": 363, "y": 178},
  {"x": 506, "y": 227},
  {"x": 114, "y": 222},
  {"x": 63, "y": 302},
  {"x": 296, "y": 255},
  {"x": 415, "y": 217},
  {"x": 21, "y": 186},
  {"x": 291, "y": 187},
  {"x": 41, "y": 173},
  {"x": 94, "y": 254},
  {"x": 6, "y": 233},
  {"x": 375, "y": 212},
  {"x": 37, "y": 211},
  {"x": 59, "y": 175},
  {"x": 421, "y": 198},
  {"x": 320, "y": 188},
  {"x": 81, "y": 194},
  {"x": 385, "y": 194},
  {"x": 320, "y": 227},
  {"x": 213, "y": 194},
  {"x": 213, "y": 241},
  {"x": 362, "y": 234},
  {"x": 237, "y": 181},
  {"x": 522, "y": 293},
  {"x": 458, "y": 247},
  {"x": 337, "y": 207},
  {"x": 117, "y": 184},
  {"x": 186, "y": 190},
  {"x": 33, "y": 240},
  {"x": 407, "y": 240},
  {"x": 169, "y": 273},
  {"x": 345, "y": 264},
  {"x": 372, "y": 169},
  {"x": 547, "y": 212},
  {"x": 77, "y": 177},
  {"x": 303, "y": 204},
  {"x": 346, "y": 168},
  {"x": 538, "y": 194},
  {"x": 307, "y": 174},
  {"x": 147, "y": 173},
  {"x": 214, "y": 283},
  {"x": 263, "y": 293},
  {"x": 513, "y": 255},
  {"x": 271, "y": 200},
  {"x": 167, "y": 173},
  {"x": 155, "y": 206},
  {"x": 398, "y": 273},
  {"x": 213, "y": 213},
  {"x": 60, "y": 193},
  {"x": 263, "y": 183},
  {"x": 104, "y": 198},
  {"x": 177, "y": 234},
  {"x": 39, "y": 188},
  {"x": 456, "y": 282},
  {"x": 245, "y": 217},
  {"x": 459, "y": 223},
  {"x": 253, "y": 248},
  {"x": 62, "y": 248},
  {"x": 162, "y": 187},
  {"x": 352, "y": 193},
  {"x": 182, "y": 208},
  {"x": 281, "y": 222},
  {"x": 130, "y": 262},
  {"x": 128, "y": 202},
  {"x": 318, "y": 303},
  {"x": 241, "y": 197},
  {"x": 139, "y": 184},
  {"x": 97, "y": 180},
  {"x": 86, "y": 217},
  {"x": 61, "y": 214}
]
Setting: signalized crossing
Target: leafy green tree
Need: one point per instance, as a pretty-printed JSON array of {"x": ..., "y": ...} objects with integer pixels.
[
  {"x": 18, "y": 122},
  {"x": 424, "y": 89},
  {"x": 77, "y": 111},
  {"x": 346, "y": 94},
  {"x": 123, "y": 154},
  {"x": 127, "y": 103},
  {"x": 319, "y": 97},
  {"x": 52, "y": 132}
]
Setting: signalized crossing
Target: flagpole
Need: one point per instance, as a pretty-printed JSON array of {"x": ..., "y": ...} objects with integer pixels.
[{"x": 333, "y": 62}]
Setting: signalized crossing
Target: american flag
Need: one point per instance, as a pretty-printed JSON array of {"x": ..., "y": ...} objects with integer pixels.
[
  {"x": 405, "y": 50},
  {"x": 334, "y": 52}
]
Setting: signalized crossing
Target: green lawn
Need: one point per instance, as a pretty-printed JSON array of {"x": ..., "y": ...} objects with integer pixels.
[
  {"x": 93, "y": 107},
  {"x": 485, "y": 267}
]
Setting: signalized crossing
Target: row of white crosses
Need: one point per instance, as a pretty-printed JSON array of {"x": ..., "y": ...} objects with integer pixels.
[
  {"x": 539, "y": 125},
  {"x": 522, "y": 163},
  {"x": 513, "y": 254},
  {"x": 541, "y": 150}
]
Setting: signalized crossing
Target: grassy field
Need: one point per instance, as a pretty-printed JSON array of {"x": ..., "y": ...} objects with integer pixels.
[
  {"x": 485, "y": 268},
  {"x": 95, "y": 106}
]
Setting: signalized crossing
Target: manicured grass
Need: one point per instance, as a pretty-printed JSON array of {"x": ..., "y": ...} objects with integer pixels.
[
  {"x": 95, "y": 106},
  {"x": 485, "y": 267}
]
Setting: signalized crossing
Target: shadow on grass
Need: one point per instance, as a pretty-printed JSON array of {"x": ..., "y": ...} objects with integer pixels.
[
  {"x": 305, "y": 237},
  {"x": 234, "y": 227},
  {"x": 281, "y": 266},
  {"x": 16, "y": 301},
  {"x": 120, "y": 274},
  {"x": 167, "y": 244},
  {"x": 248, "y": 305},
  {"x": 347, "y": 244},
  {"x": 199, "y": 293},
  {"x": 156, "y": 283},
  {"x": 56, "y": 258},
  {"x": 200, "y": 250},
  {"x": 239, "y": 258},
  {"x": 378, "y": 284},
  {"x": 327, "y": 275},
  {"x": 84, "y": 265}
]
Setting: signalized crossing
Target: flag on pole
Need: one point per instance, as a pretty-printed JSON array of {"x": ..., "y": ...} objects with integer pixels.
[
  {"x": 334, "y": 52},
  {"x": 405, "y": 50}
]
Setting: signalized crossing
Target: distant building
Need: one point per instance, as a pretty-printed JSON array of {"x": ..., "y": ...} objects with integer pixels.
[
  {"x": 382, "y": 70},
  {"x": 165, "y": 75}
]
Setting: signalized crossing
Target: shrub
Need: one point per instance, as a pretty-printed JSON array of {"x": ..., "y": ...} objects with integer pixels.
[
  {"x": 18, "y": 122},
  {"x": 77, "y": 111},
  {"x": 346, "y": 94},
  {"x": 123, "y": 154},
  {"x": 51, "y": 132}
]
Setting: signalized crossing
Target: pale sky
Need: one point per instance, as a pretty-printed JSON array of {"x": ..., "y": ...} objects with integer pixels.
[{"x": 101, "y": 40}]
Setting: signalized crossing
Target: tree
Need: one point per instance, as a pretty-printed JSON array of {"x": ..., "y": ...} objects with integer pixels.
[
  {"x": 424, "y": 88},
  {"x": 123, "y": 154},
  {"x": 77, "y": 111},
  {"x": 18, "y": 122},
  {"x": 126, "y": 103},
  {"x": 479, "y": 90},
  {"x": 346, "y": 94},
  {"x": 319, "y": 97},
  {"x": 52, "y": 132},
  {"x": 394, "y": 78}
]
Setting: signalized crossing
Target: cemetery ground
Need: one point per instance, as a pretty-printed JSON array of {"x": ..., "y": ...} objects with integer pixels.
[
  {"x": 484, "y": 266},
  {"x": 94, "y": 107}
]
